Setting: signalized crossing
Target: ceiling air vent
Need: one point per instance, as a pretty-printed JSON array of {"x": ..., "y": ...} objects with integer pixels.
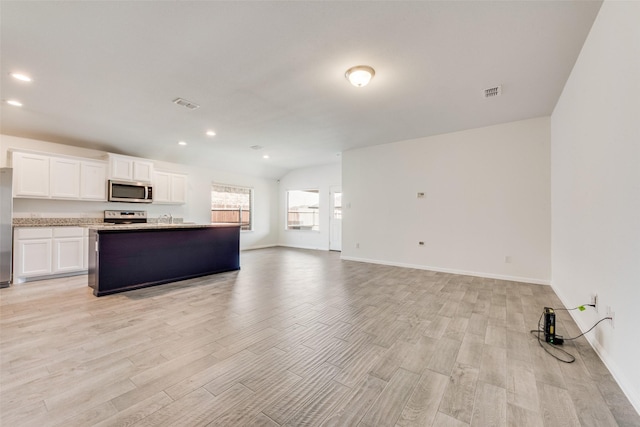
[
  {"x": 188, "y": 104},
  {"x": 256, "y": 147},
  {"x": 492, "y": 92}
]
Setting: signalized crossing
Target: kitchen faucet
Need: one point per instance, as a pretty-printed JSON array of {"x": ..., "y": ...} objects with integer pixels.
[{"x": 167, "y": 216}]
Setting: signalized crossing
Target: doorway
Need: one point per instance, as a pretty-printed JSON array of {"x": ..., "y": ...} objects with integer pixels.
[{"x": 335, "y": 223}]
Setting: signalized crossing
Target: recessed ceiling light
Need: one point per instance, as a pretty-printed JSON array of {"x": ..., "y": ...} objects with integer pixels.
[
  {"x": 182, "y": 143},
  {"x": 14, "y": 103},
  {"x": 21, "y": 76},
  {"x": 360, "y": 75},
  {"x": 266, "y": 156},
  {"x": 211, "y": 133}
]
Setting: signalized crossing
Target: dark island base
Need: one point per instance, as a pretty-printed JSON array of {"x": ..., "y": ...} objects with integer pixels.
[{"x": 133, "y": 259}]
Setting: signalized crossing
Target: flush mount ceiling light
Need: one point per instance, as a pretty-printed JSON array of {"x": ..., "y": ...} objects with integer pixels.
[
  {"x": 14, "y": 103},
  {"x": 211, "y": 133},
  {"x": 22, "y": 77},
  {"x": 266, "y": 156},
  {"x": 182, "y": 143},
  {"x": 360, "y": 75}
]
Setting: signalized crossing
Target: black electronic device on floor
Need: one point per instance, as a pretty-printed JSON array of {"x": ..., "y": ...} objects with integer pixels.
[
  {"x": 550, "y": 327},
  {"x": 549, "y": 324}
]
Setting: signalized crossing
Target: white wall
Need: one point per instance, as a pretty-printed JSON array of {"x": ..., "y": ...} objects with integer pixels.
[
  {"x": 595, "y": 152},
  {"x": 198, "y": 205},
  {"x": 487, "y": 196},
  {"x": 321, "y": 178}
]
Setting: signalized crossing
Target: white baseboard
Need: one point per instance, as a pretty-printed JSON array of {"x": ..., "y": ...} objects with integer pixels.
[
  {"x": 250, "y": 248},
  {"x": 613, "y": 368},
  {"x": 313, "y": 248},
  {"x": 19, "y": 280},
  {"x": 280, "y": 245},
  {"x": 451, "y": 271}
]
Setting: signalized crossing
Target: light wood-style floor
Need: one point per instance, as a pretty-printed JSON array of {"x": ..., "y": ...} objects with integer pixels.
[{"x": 297, "y": 338}]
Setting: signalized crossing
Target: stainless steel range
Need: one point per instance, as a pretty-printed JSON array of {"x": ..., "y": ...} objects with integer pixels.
[{"x": 125, "y": 217}]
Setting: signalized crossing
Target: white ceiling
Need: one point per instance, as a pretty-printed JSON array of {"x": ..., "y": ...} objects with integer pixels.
[{"x": 272, "y": 74}]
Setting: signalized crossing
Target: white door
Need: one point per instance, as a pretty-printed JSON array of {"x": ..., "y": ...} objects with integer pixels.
[{"x": 335, "y": 223}]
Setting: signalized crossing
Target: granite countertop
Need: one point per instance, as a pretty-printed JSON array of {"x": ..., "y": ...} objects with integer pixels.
[
  {"x": 99, "y": 224},
  {"x": 154, "y": 226},
  {"x": 56, "y": 222}
]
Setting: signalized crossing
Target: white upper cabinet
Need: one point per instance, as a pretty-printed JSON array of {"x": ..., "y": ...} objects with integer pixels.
[
  {"x": 120, "y": 168},
  {"x": 64, "y": 178},
  {"x": 179, "y": 188},
  {"x": 30, "y": 175},
  {"x": 56, "y": 177},
  {"x": 93, "y": 181},
  {"x": 169, "y": 188},
  {"x": 142, "y": 170},
  {"x": 127, "y": 168},
  {"x": 162, "y": 187}
]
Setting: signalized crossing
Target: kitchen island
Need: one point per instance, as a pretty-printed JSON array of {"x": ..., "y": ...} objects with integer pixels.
[{"x": 126, "y": 257}]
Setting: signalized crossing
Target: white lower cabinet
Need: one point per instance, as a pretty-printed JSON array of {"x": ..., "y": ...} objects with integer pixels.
[
  {"x": 33, "y": 252},
  {"x": 43, "y": 251},
  {"x": 85, "y": 250},
  {"x": 68, "y": 248}
]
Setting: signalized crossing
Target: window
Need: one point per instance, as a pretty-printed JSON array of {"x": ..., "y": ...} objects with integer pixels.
[
  {"x": 337, "y": 205},
  {"x": 232, "y": 204},
  {"x": 302, "y": 210}
]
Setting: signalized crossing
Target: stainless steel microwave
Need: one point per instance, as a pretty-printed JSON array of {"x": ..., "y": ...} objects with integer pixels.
[{"x": 134, "y": 192}]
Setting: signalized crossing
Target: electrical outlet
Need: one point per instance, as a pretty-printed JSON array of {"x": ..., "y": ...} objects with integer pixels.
[
  {"x": 507, "y": 259},
  {"x": 612, "y": 315},
  {"x": 357, "y": 245},
  {"x": 613, "y": 319},
  {"x": 594, "y": 301}
]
